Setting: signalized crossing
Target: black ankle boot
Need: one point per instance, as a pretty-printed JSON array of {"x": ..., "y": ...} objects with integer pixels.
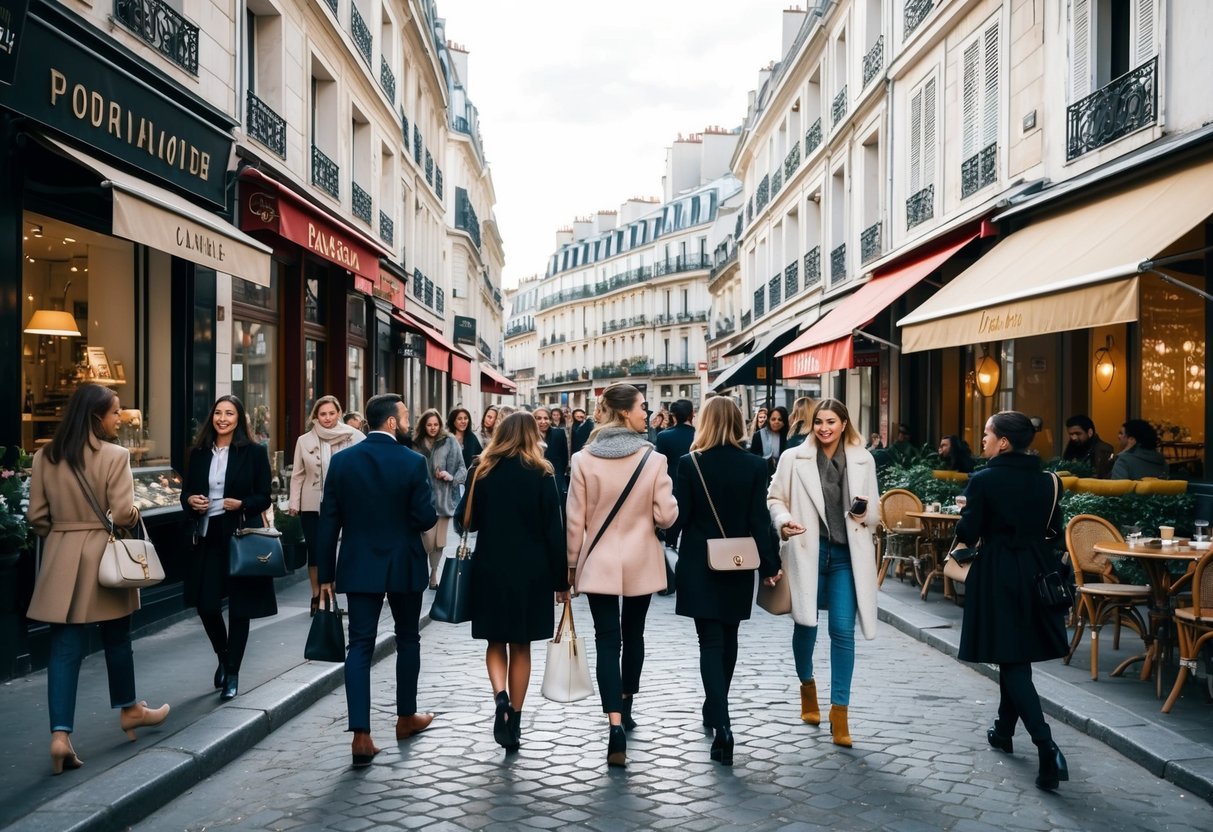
[
  {"x": 617, "y": 747},
  {"x": 501, "y": 727},
  {"x": 628, "y": 723},
  {"x": 1053, "y": 767},
  {"x": 231, "y": 687},
  {"x": 221, "y": 672},
  {"x": 722, "y": 747},
  {"x": 515, "y": 729},
  {"x": 998, "y": 739}
]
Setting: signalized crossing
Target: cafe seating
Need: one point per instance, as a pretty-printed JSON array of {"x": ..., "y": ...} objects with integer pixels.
[
  {"x": 901, "y": 538},
  {"x": 1104, "y": 598},
  {"x": 1193, "y": 625}
]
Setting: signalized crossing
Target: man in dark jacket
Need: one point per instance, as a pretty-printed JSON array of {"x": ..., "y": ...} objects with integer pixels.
[
  {"x": 377, "y": 500},
  {"x": 1086, "y": 446},
  {"x": 1139, "y": 456},
  {"x": 582, "y": 432},
  {"x": 556, "y": 446},
  {"x": 674, "y": 443}
]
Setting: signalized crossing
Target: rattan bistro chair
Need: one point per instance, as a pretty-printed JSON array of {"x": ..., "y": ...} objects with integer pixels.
[
  {"x": 1194, "y": 625},
  {"x": 901, "y": 537},
  {"x": 1101, "y": 598}
]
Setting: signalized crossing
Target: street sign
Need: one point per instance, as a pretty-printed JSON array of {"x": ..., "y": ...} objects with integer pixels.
[
  {"x": 465, "y": 330},
  {"x": 703, "y": 366}
]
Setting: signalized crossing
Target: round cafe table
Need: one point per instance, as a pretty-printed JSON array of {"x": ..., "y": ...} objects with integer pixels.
[
  {"x": 1153, "y": 559},
  {"x": 939, "y": 530}
]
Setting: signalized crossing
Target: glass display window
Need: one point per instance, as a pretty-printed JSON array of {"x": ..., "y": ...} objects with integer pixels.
[
  {"x": 1172, "y": 361},
  {"x": 255, "y": 353},
  {"x": 356, "y": 378}
]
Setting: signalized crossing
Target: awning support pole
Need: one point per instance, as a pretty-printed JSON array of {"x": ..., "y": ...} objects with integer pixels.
[
  {"x": 1148, "y": 265},
  {"x": 1174, "y": 281},
  {"x": 876, "y": 339}
]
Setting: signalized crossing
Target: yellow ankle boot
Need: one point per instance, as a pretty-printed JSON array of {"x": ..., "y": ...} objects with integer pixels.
[
  {"x": 809, "y": 712},
  {"x": 838, "y": 726}
]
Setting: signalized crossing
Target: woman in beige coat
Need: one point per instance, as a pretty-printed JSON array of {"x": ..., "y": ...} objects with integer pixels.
[
  {"x": 67, "y": 594},
  {"x": 313, "y": 450},
  {"x": 618, "y": 557},
  {"x": 818, "y": 488}
]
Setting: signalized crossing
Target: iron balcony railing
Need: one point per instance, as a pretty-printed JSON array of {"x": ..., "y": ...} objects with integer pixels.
[
  {"x": 360, "y": 33},
  {"x": 920, "y": 207},
  {"x": 609, "y": 371},
  {"x": 681, "y": 263},
  {"x": 520, "y": 329},
  {"x": 916, "y": 13},
  {"x": 332, "y": 4},
  {"x": 325, "y": 173},
  {"x": 163, "y": 28},
  {"x": 438, "y": 181},
  {"x": 387, "y": 229},
  {"x": 360, "y": 201},
  {"x": 404, "y": 130},
  {"x": 429, "y": 171},
  {"x": 725, "y": 326},
  {"x": 461, "y": 124},
  {"x": 838, "y": 110},
  {"x": 1122, "y": 107},
  {"x": 552, "y": 341},
  {"x": 721, "y": 265},
  {"x": 763, "y": 196},
  {"x": 566, "y": 295},
  {"x": 791, "y": 279},
  {"x": 416, "y": 143},
  {"x": 774, "y": 292},
  {"x": 873, "y": 61},
  {"x": 812, "y": 138},
  {"x": 979, "y": 170},
  {"x": 760, "y": 301},
  {"x": 737, "y": 229},
  {"x": 812, "y": 267},
  {"x": 429, "y": 293},
  {"x": 838, "y": 265},
  {"x": 792, "y": 161},
  {"x": 776, "y": 180},
  {"x": 266, "y": 126},
  {"x": 440, "y": 300},
  {"x": 387, "y": 78},
  {"x": 418, "y": 284},
  {"x": 674, "y": 370},
  {"x": 747, "y": 318},
  {"x": 670, "y": 319},
  {"x": 870, "y": 243},
  {"x": 465, "y": 216},
  {"x": 624, "y": 323}
]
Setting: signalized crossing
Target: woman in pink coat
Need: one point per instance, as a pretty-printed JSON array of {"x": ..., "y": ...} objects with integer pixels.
[{"x": 619, "y": 557}]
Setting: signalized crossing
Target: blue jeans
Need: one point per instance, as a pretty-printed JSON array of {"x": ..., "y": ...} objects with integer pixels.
[
  {"x": 836, "y": 593},
  {"x": 68, "y": 645}
]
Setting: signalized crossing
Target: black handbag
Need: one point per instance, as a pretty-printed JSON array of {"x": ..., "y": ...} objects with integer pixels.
[
  {"x": 256, "y": 553},
  {"x": 1054, "y": 592},
  {"x": 326, "y": 636},
  {"x": 453, "y": 598}
]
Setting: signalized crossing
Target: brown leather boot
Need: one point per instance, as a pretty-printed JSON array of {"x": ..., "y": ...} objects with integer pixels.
[
  {"x": 407, "y": 726},
  {"x": 839, "y": 729},
  {"x": 362, "y": 749},
  {"x": 809, "y": 710}
]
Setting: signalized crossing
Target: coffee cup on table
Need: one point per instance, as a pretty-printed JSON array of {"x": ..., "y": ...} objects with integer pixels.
[{"x": 1166, "y": 532}]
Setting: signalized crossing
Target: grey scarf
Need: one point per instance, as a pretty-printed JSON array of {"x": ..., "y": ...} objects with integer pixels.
[{"x": 616, "y": 443}]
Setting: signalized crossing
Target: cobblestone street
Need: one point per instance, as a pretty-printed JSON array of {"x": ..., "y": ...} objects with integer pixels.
[{"x": 920, "y": 760}]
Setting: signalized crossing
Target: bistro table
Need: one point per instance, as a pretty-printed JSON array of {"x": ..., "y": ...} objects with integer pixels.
[
  {"x": 1153, "y": 558},
  {"x": 939, "y": 529}
]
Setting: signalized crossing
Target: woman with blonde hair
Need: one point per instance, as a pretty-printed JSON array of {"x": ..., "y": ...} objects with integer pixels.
[
  {"x": 444, "y": 461},
  {"x": 828, "y": 489},
  {"x": 757, "y": 423},
  {"x": 800, "y": 421},
  {"x": 721, "y": 492},
  {"x": 520, "y": 561},
  {"x": 327, "y": 435},
  {"x": 620, "y": 489}
]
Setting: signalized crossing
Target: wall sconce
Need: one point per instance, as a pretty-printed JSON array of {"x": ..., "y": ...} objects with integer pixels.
[
  {"x": 987, "y": 372},
  {"x": 1105, "y": 366},
  {"x": 53, "y": 321}
]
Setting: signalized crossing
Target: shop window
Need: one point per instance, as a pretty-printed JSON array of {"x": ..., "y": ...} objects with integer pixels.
[
  {"x": 255, "y": 355},
  {"x": 313, "y": 372},
  {"x": 1173, "y": 366},
  {"x": 355, "y": 374}
]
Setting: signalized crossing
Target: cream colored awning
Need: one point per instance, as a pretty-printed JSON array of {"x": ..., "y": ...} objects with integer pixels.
[
  {"x": 158, "y": 218},
  {"x": 1073, "y": 270}
]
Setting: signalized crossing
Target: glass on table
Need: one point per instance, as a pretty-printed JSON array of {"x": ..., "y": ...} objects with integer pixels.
[
  {"x": 1132, "y": 534},
  {"x": 1202, "y": 530},
  {"x": 961, "y": 501}
]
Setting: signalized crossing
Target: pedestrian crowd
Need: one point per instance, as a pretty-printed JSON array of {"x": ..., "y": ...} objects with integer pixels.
[{"x": 561, "y": 503}]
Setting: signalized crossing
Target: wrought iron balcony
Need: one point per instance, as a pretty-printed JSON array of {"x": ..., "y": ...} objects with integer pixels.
[
  {"x": 610, "y": 371},
  {"x": 523, "y": 328},
  {"x": 438, "y": 181},
  {"x": 749, "y": 209},
  {"x": 416, "y": 143},
  {"x": 360, "y": 33},
  {"x": 461, "y": 124},
  {"x": 979, "y": 170},
  {"x": 418, "y": 284},
  {"x": 774, "y": 292},
  {"x": 760, "y": 302},
  {"x": 812, "y": 267},
  {"x": 162, "y": 28},
  {"x": 429, "y": 169},
  {"x": 387, "y": 78},
  {"x": 792, "y": 161},
  {"x": 404, "y": 130},
  {"x": 465, "y": 216},
  {"x": 739, "y": 227},
  {"x": 869, "y": 243},
  {"x": 812, "y": 138},
  {"x": 266, "y": 126},
  {"x": 674, "y": 370},
  {"x": 747, "y": 318},
  {"x": 764, "y": 194},
  {"x": 681, "y": 263},
  {"x": 916, "y": 13},
  {"x": 360, "y": 202},
  {"x": 791, "y": 279},
  {"x": 429, "y": 293},
  {"x": 325, "y": 173},
  {"x": 624, "y": 323},
  {"x": 838, "y": 265},
  {"x": 838, "y": 110},
  {"x": 1122, "y": 107},
  {"x": 332, "y": 4},
  {"x": 725, "y": 326},
  {"x": 776, "y": 180},
  {"x": 873, "y": 62},
  {"x": 439, "y": 299},
  {"x": 920, "y": 207},
  {"x": 387, "y": 229}
]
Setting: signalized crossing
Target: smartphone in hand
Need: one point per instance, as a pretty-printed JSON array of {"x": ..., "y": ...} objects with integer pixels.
[{"x": 859, "y": 506}]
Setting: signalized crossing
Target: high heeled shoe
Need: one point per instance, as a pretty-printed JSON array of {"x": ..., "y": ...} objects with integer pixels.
[
  {"x": 840, "y": 731},
  {"x": 62, "y": 754},
  {"x": 617, "y": 747},
  {"x": 629, "y": 724},
  {"x": 515, "y": 728},
  {"x": 722, "y": 747},
  {"x": 221, "y": 671},
  {"x": 231, "y": 687},
  {"x": 1002, "y": 742},
  {"x": 1053, "y": 768},
  {"x": 501, "y": 728},
  {"x": 810, "y": 711},
  {"x": 141, "y": 716}
]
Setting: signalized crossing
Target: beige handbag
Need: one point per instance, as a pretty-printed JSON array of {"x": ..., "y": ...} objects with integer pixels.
[
  {"x": 127, "y": 562},
  {"x": 727, "y": 554},
  {"x": 956, "y": 571},
  {"x": 566, "y": 675}
]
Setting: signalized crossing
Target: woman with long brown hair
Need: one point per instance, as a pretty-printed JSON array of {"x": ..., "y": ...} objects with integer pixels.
[
  {"x": 80, "y": 467},
  {"x": 520, "y": 561},
  {"x": 444, "y": 461},
  {"x": 459, "y": 425}
]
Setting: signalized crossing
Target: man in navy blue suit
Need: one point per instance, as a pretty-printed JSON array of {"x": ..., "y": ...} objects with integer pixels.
[
  {"x": 377, "y": 500},
  {"x": 675, "y": 443}
]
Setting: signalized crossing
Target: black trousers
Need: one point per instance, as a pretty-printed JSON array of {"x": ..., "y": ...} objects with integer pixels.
[
  {"x": 717, "y": 659},
  {"x": 228, "y": 643},
  {"x": 619, "y": 639},
  {"x": 310, "y": 522},
  {"x": 1020, "y": 701},
  {"x": 363, "y": 617}
]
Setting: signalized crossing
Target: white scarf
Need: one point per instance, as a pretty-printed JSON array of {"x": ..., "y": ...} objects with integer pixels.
[{"x": 339, "y": 434}]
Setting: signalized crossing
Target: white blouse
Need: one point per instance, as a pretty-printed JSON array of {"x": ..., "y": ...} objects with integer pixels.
[{"x": 216, "y": 480}]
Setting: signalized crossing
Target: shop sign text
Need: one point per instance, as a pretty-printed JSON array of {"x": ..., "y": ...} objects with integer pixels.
[
  {"x": 332, "y": 247},
  {"x": 993, "y": 323}
]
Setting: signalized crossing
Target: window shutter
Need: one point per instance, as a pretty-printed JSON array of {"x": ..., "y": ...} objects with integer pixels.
[
  {"x": 970, "y": 110},
  {"x": 1080, "y": 49},
  {"x": 1143, "y": 31},
  {"x": 916, "y": 142},
  {"x": 990, "y": 104},
  {"x": 928, "y": 133}
]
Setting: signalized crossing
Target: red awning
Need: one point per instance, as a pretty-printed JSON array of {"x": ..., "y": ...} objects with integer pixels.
[
  {"x": 492, "y": 381},
  {"x": 268, "y": 205},
  {"x": 439, "y": 352},
  {"x": 828, "y": 345},
  {"x": 461, "y": 369}
]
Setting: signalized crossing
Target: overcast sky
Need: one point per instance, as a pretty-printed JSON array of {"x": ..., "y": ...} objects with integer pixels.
[{"x": 578, "y": 100}]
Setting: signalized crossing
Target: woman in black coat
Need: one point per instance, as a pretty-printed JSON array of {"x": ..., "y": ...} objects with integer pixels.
[
  {"x": 1011, "y": 508},
  {"x": 227, "y": 487},
  {"x": 719, "y": 601},
  {"x": 520, "y": 561},
  {"x": 556, "y": 445},
  {"x": 459, "y": 425}
]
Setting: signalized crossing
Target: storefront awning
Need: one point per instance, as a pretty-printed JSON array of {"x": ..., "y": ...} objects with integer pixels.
[
  {"x": 155, "y": 217},
  {"x": 755, "y": 367},
  {"x": 1073, "y": 270},
  {"x": 492, "y": 381},
  {"x": 828, "y": 345},
  {"x": 438, "y": 350},
  {"x": 461, "y": 369}
]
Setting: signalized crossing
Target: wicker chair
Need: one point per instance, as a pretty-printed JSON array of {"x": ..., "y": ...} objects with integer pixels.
[
  {"x": 1194, "y": 625},
  {"x": 1103, "y": 598},
  {"x": 901, "y": 537}
]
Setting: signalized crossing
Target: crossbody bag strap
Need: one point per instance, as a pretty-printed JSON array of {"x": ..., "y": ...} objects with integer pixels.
[
  {"x": 627, "y": 489},
  {"x": 1053, "y": 510},
  {"x": 467, "y": 509},
  {"x": 92, "y": 500},
  {"x": 711, "y": 503}
]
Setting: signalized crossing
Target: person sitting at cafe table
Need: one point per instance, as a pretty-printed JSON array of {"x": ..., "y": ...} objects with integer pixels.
[
  {"x": 955, "y": 454},
  {"x": 1139, "y": 457},
  {"x": 1086, "y": 446}
]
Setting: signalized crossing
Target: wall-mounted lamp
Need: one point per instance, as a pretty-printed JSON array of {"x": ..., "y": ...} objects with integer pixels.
[
  {"x": 53, "y": 321},
  {"x": 987, "y": 372},
  {"x": 1105, "y": 366}
]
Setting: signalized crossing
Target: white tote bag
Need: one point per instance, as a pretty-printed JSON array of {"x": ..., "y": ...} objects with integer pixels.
[{"x": 566, "y": 676}]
